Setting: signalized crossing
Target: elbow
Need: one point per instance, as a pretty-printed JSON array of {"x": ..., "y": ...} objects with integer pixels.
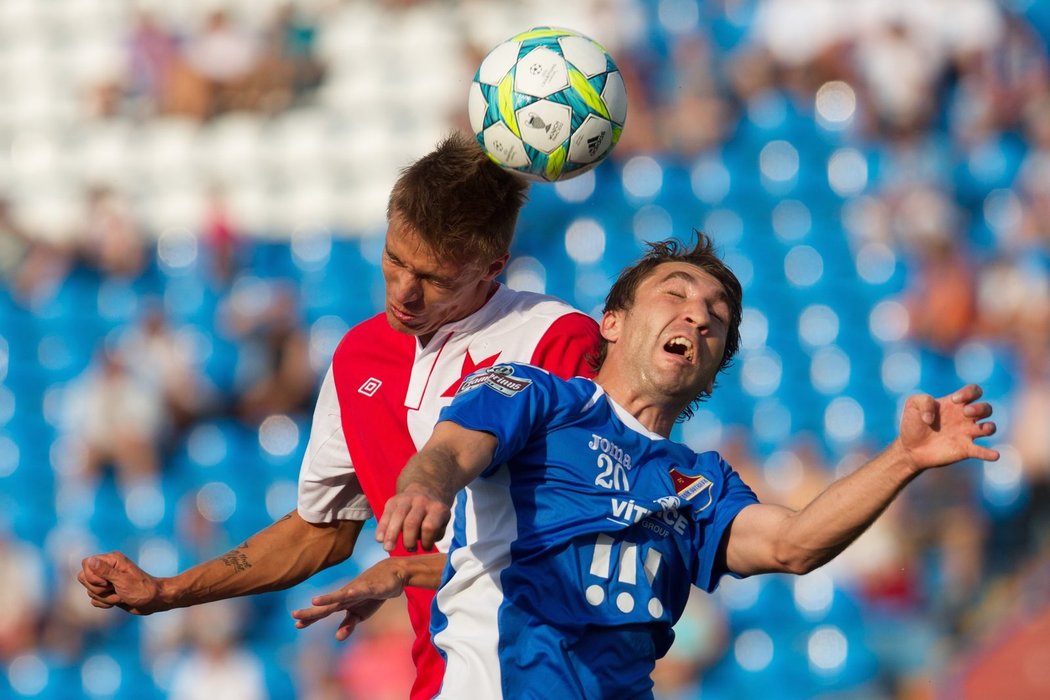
[{"x": 791, "y": 559}]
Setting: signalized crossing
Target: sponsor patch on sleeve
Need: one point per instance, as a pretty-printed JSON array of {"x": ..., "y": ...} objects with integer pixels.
[{"x": 499, "y": 378}]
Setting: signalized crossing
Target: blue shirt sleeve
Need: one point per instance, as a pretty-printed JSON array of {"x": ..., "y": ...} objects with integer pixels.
[
  {"x": 729, "y": 496},
  {"x": 510, "y": 401}
]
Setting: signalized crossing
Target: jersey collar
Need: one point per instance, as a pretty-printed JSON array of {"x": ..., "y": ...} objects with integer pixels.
[
  {"x": 491, "y": 309},
  {"x": 627, "y": 418}
]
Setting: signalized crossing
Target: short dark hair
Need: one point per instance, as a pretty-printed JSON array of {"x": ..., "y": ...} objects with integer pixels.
[
  {"x": 459, "y": 201},
  {"x": 702, "y": 255}
]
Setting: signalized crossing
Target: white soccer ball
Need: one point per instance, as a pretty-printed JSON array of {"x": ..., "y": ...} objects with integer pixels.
[{"x": 548, "y": 103}]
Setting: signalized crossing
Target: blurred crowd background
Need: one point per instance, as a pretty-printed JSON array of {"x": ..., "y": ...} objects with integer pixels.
[{"x": 192, "y": 203}]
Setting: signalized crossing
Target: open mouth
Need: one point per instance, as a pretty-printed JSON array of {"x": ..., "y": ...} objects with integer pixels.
[{"x": 680, "y": 346}]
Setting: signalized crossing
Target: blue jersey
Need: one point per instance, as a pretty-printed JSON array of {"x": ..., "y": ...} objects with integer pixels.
[{"x": 573, "y": 553}]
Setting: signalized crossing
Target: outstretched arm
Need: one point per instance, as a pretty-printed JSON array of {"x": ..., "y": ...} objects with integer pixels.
[
  {"x": 451, "y": 459},
  {"x": 365, "y": 594},
  {"x": 283, "y": 554},
  {"x": 933, "y": 433}
]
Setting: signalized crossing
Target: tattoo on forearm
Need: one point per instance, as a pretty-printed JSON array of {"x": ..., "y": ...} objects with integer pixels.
[{"x": 237, "y": 558}]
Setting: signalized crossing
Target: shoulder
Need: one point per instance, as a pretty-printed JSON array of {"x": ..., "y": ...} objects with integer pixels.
[
  {"x": 371, "y": 334},
  {"x": 512, "y": 378},
  {"x": 541, "y": 309},
  {"x": 376, "y": 326}
]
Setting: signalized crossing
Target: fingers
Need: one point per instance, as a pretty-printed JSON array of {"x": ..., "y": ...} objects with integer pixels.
[
  {"x": 347, "y": 626},
  {"x": 385, "y": 523},
  {"x": 392, "y": 523},
  {"x": 977, "y": 411},
  {"x": 326, "y": 604},
  {"x": 94, "y": 585},
  {"x": 926, "y": 406},
  {"x": 968, "y": 394},
  {"x": 419, "y": 520},
  {"x": 104, "y": 601},
  {"x": 307, "y": 616},
  {"x": 88, "y": 575},
  {"x": 434, "y": 526},
  {"x": 412, "y": 527},
  {"x": 987, "y": 428},
  {"x": 985, "y": 453},
  {"x": 97, "y": 570}
]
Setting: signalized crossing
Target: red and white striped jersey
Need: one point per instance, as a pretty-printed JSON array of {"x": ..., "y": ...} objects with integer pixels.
[{"x": 383, "y": 394}]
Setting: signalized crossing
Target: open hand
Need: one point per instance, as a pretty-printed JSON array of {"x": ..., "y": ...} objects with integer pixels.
[
  {"x": 937, "y": 432},
  {"x": 359, "y": 599}
]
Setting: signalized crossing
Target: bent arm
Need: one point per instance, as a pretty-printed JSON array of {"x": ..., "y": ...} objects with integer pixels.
[
  {"x": 452, "y": 458},
  {"x": 933, "y": 433},
  {"x": 770, "y": 538},
  {"x": 286, "y": 553},
  {"x": 277, "y": 557}
]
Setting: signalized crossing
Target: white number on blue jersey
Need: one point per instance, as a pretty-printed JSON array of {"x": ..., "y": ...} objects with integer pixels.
[{"x": 613, "y": 474}]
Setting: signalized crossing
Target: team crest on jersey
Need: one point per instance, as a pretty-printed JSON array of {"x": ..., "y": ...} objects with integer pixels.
[
  {"x": 499, "y": 378},
  {"x": 689, "y": 487}
]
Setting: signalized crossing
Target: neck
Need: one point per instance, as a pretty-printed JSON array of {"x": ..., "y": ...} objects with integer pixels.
[
  {"x": 485, "y": 292},
  {"x": 657, "y": 412}
]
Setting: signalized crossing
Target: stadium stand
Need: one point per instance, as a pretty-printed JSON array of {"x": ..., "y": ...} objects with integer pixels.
[{"x": 829, "y": 159}]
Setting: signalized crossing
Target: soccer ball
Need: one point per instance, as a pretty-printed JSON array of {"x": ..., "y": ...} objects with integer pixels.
[{"x": 548, "y": 103}]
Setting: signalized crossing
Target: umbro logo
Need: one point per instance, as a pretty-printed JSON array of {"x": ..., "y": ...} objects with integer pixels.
[{"x": 370, "y": 387}]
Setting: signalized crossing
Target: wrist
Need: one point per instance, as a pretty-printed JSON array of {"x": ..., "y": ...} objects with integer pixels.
[
  {"x": 903, "y": 460},
  {"x": 422, "y": 570},
  {"x": 168, "y": 594}
]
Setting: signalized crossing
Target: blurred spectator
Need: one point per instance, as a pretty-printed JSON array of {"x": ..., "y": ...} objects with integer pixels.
[
  {"x": 153, "y": 65},
  {"x": 1028, "y": 430},
  {"x": 115, "y": 420},
  {"x": 217, "y": 666},
  {"x": 31, "y": 267},
  {"x": 1034, "y": 178},
  {"x": 941, "y": 304},
  {"x": 940, "y": 87},
  {"x": 317, "y": 672},
  {"x": 996, "y": 83},
  {"x": 224, "y": 59},
  {"x": 159, "y": 356},
  {"x": 220, "y": 236},
  {"x": 288, "y": 68},
  {"x": 377, "y": 664},
  {"x": 112, "y": 240},
  {"x": 697, "y": 117},
  {"x": 22, "y": 595},
  {"x": 899, "y": 73},
  {"x": 275, "y": 371},
  {"x": 701, "y": 637},
  {"x": 1003, "y": 291}
]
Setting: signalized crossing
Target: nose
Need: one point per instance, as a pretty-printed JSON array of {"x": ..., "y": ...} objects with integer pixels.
[
  {"x": 698, "y": 315},
  {"x": 405, "y": 288}
]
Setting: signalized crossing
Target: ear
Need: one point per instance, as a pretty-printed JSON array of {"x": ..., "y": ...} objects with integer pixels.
[
  {"x": 611, "y": 326},
  {"x": 496, "y": 267}
]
